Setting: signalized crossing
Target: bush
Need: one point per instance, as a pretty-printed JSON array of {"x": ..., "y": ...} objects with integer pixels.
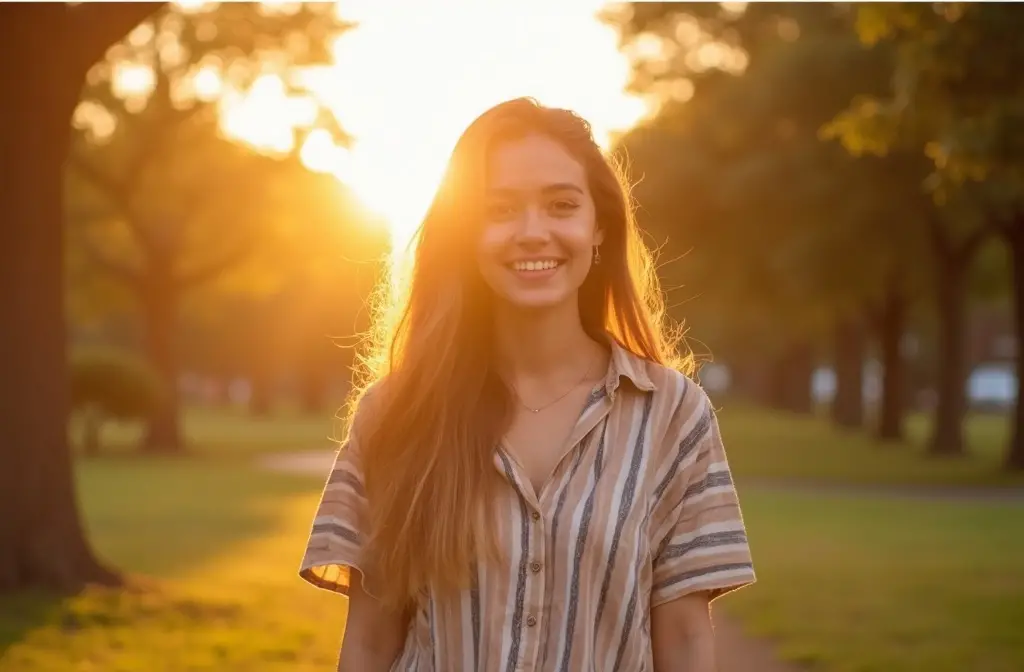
[{"x": 109, "y": 384}]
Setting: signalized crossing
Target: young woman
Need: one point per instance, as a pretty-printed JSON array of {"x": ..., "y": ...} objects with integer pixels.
[{"x": 530, "y": 481}]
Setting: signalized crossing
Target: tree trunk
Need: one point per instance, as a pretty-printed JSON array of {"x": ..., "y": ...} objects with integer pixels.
[
  {"x": 160, "y": 307},
  {"x": 42, "y": 542},
  {"x": 313, "y": 391},
  {"x": 92, "y": 428},
  {"x": 891, "y": 329},
  {"x": 321, "y": 356},
  {"x": 1015, "y": 240},
  {"x": 791, "y": 379},
  {"x": 951, "y": 407},
  {"x": 748, "y": 379},
  {"x": 848, "y": 359},
  {"x": 261, "y": 397}
]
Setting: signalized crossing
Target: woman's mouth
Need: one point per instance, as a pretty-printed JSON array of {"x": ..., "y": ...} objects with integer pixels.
[{"x": 531, "y": 266}]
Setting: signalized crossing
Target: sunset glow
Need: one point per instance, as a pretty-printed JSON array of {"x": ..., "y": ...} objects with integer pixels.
[{"x": 409, "y": 79}]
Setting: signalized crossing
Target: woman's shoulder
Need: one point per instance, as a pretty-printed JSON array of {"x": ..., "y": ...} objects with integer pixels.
[
  {"x": 681, "y": 412},
  {"x": 679, "y": 388},
  {"x": 365, "y": 406}
]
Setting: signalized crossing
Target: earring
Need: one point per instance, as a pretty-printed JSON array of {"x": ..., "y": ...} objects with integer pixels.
[{"x": 597, "y": 255}]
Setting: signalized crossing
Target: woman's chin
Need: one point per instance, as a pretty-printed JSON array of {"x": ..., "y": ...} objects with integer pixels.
[{"x": 539, "y": 299}]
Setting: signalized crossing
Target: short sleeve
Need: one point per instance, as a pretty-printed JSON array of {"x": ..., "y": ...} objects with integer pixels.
[
  {"x": 700, "y": 541},
  {"x": 336, "y": 541}
]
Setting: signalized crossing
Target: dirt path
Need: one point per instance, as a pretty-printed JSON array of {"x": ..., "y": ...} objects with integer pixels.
[
  {"x": 737, "y": 651},
  {"x": 311, "y": 462}
]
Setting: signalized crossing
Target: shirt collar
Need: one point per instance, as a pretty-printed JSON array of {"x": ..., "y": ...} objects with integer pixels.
[{"x": 625, "y": 364}]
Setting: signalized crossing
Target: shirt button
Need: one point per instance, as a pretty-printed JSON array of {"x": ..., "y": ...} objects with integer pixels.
[
  {"x": 535, "y": 566},
  {"x": 535, "y": 515},
  {"x": 531, "y": 621}
]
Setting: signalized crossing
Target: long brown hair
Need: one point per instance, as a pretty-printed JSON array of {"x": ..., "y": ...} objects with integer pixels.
[{"x": 428, "y": 431}]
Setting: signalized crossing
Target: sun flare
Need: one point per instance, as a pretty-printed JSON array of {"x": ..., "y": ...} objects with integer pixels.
[{"x": 410, "y": 77}]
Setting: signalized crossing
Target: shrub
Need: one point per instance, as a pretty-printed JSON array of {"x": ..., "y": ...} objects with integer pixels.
[{"x": 111, "y": 384}]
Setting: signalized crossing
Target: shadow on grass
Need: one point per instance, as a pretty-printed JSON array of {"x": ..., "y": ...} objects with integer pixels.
[
  {"x": 157, "y": 520},
  {"x": 112, "y": 610}
]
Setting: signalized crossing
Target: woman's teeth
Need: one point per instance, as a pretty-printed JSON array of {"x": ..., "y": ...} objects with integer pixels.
[{"x": 534, "y": 265}]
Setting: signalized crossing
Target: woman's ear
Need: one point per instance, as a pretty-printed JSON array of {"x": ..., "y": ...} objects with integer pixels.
[{"x": 598, "y": 236}]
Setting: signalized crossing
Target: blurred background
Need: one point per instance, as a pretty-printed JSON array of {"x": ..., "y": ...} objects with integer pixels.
[{"x": 199, "y": 198}]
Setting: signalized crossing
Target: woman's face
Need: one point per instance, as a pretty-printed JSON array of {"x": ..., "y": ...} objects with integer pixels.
[{"x": 539, "y": 230}]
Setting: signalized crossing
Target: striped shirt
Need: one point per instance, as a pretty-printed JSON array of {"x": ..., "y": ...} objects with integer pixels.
[{"x": 641, "y": 511}]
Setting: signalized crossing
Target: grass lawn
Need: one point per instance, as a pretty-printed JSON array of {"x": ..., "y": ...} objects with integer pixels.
[
  {"x": 223, "y": 542},
  {"x": 765, "y": 445},
  {"x": 875, "y": 584},
  {"x": 847, "y": 583},
  {"x": 227, "y": 432},
  {"x": 761, "y": 445}
]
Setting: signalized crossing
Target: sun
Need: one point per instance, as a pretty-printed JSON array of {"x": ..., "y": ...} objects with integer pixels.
[{"x": 411, "y": 77}]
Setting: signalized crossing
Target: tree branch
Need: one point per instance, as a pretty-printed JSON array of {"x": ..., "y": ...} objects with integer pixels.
[
  {"x": 972, "y": 242},
  {"x": 96, "y": 26},
  {"x": 210, "y": 270},
  {"x": 111, "y": 187},
  {"x": 874, "y": 312},
  {"x": 939, "y": 236},
  {"x": 117, "y": 268},
  {"x": 117, "y": 192}
]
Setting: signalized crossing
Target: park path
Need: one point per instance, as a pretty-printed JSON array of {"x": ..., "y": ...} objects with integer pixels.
[{"x": 737, "y": 651}]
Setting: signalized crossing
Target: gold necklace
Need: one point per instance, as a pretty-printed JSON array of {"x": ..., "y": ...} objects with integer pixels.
[{"x": 519, "y": 398}]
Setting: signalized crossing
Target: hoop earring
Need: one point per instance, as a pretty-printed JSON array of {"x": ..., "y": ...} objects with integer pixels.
[{"x": 597, "y": 255}]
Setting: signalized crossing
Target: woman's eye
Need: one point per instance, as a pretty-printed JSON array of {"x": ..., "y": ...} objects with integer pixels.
[
  {"x": 564, "y": 207},
  {"x": 499, "y": 211}
]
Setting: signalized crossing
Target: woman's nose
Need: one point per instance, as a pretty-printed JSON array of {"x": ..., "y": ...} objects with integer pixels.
[{"x": 534, "y": 225}]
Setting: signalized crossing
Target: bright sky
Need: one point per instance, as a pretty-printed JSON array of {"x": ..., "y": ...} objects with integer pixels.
[{"x": 410, "y": 78}]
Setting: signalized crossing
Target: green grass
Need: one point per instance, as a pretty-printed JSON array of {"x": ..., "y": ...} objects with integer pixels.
[
  {"x": 766, "y": 445},
  {"x": 846, "y": 583},
  {"x": 761, "y": 445},
  {"x": 223, "y": 542},
  {"x": 227, "y": 432},
  {"x": 886, "y": 584}
]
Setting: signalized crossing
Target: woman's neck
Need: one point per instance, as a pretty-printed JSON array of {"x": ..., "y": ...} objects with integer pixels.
[{"x": 543, "y": 344}]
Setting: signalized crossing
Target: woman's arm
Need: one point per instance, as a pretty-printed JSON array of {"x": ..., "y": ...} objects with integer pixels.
[
  {"x": 682, "y": 637},
  {"x": 373, "y": 634}
]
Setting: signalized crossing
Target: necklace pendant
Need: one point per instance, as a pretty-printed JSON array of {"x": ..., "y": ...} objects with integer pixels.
[{"x": 534, "y": 410}]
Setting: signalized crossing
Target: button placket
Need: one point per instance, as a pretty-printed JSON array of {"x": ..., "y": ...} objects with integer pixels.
[{"x": 536, "y": 589}]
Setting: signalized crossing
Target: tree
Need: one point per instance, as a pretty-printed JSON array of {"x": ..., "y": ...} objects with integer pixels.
[
  {"x": 107, "y": 384},
  {"x": 335, "y": 254},
  {"x": 795, "y": 239},
  {"x": 327, "y": 304},
  {"x": 41, "y": 538},
  {"x": 955, "y": 99},
  {"x": 183, "y": 204},
  {"x": 196, "y": 215}
]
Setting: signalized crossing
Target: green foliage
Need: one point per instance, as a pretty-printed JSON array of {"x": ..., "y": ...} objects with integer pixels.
[
  {"x": 155, "y": 183},
  {"x": 170, "y": 209},
  {"x": 114, "y": 383},
  {"x": 782, "y": 233},
  {"x": 956, "y": 96},
  {"x": 330, "y": 255}
]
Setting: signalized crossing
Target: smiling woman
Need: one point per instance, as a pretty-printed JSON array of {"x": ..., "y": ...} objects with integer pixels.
[
  {"x": 530, "y": 479},
  {"x": 538, "y": 196}
]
